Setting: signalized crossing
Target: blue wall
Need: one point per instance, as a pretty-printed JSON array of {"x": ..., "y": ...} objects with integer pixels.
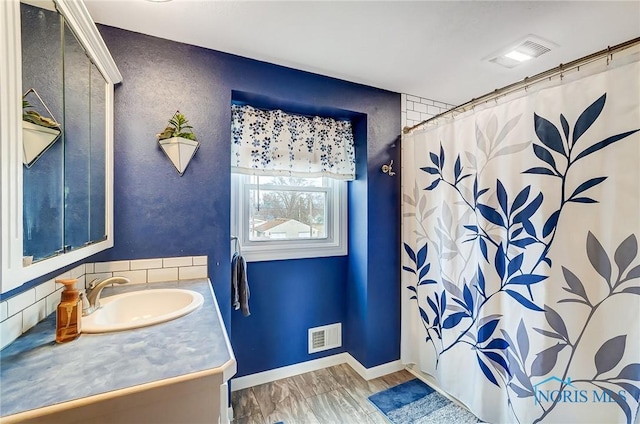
[{"x": 159, "y": 214}]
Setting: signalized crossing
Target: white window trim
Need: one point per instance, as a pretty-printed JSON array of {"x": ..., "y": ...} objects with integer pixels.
[{"x": 257, "y": 251}]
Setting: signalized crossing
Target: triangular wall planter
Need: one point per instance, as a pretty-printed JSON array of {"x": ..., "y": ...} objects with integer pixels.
[
  {"x": 36, "y": 140},
  {"x": 180, "y": 151}
]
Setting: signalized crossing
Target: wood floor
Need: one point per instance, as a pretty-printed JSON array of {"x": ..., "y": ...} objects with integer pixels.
[{"x": 331, "y": 395}]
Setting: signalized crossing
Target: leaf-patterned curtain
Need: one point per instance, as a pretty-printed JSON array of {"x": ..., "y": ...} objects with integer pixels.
[
  {"x": 272, "y": 142},
  {"x": 521, "y": 267}
]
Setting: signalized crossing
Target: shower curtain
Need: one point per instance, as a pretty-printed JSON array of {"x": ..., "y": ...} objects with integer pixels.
[{"x": 521, "y": 272}]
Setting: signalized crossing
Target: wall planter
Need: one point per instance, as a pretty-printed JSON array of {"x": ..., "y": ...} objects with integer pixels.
[
  {"x": 180, "y": 151},
  {"x": 38, "y": 132},
  {"x": 178, "y": 142}
]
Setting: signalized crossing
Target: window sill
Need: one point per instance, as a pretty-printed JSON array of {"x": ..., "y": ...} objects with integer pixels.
[{"x": 253, "y": 254}]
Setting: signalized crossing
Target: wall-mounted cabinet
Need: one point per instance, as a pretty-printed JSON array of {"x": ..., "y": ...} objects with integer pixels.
[{"x": 56, "y": 205}]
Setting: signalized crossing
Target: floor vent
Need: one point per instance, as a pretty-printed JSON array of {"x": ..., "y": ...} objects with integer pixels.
[{"x": 325, "y": 337}]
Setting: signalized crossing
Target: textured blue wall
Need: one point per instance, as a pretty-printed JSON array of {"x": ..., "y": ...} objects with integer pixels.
[
  {"x": 159, "y": 214},
  {"x": 287, "y": 298}
]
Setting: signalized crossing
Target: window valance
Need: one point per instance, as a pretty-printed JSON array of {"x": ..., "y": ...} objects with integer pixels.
[{"x": 272, "y": 142}]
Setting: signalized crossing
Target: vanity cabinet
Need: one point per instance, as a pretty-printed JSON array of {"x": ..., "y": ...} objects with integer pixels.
[
  {"x": 56, "y": 206},
  {"x": 172, "y": 372}
]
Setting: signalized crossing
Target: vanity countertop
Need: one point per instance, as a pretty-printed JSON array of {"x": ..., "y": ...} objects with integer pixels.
[{"x": 36, "y": 372}]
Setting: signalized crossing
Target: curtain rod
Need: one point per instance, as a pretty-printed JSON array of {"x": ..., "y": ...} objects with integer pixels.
[{"x": 530, "y": 80}]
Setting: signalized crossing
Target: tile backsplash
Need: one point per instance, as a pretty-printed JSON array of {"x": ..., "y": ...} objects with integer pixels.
[
  {"x": 22, "y": 311},
  {"x": 143, "y": 271},
  {"x": 416, "y": 109}
]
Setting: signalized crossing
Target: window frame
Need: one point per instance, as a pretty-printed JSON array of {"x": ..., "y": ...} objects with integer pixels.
[{"x": 335, "y": 244}]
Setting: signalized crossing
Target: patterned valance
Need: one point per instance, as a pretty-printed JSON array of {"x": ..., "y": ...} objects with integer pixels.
[{"x": 272, "y": 142}]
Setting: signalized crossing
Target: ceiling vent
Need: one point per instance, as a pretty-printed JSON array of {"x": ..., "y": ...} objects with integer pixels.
[{"x": 522, "y": 51}]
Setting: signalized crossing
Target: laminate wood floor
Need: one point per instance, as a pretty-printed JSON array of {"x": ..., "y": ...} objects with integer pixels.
[{"x": 327, "y": 396}]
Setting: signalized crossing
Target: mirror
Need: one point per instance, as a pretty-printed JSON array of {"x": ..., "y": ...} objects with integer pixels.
[
  {"x": 42, "y": 70},
  {"x": 77, "y": 141},
  {"x": 64, "y": 188},
  {"x": 57, "y": 203},
  {"x": 97, "y": 157}
]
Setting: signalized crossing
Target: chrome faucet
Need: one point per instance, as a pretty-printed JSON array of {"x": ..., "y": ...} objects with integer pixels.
[{"x": 95, "y": 287}]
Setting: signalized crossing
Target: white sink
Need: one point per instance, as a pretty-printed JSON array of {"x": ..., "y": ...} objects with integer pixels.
[{"x": 140, "y": 309}]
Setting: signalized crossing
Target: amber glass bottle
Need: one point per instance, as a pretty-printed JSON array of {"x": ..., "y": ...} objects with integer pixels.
[{"x": 69, "y": 313}]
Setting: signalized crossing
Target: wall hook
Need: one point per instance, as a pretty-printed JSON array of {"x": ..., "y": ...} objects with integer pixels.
[{"x": 387, "y": 169}]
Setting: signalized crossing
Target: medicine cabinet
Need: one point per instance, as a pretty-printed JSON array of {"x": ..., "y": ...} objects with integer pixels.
[{"x": 56, "y": 169}]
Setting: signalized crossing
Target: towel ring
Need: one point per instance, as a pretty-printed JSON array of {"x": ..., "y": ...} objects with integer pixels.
[{"x": 238, "y": 249}]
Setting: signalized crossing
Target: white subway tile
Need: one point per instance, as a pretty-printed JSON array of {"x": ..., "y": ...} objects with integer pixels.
[
  {"x": 82, "y": 282},
  {"x": 10, "y": 329},
  {"x": 21, "y": 301},
  {"x": 425, "y": 116},
  {"x": 433, "y": 110},
  {"x": 190, "y": 272},
  {"x": 33, "y": 315},
  {"x": 411, "y": 123},
  {"x": 89, "y": 268},
  {"x": 101, "y": 276},
  {"x": 64, "y": 276},
  {"x": 136, "y": 277},
  {"x": 427, "y": 102},
  {"x": 413, "y": 98},
  {"x": 3, "y": 311},
  {"x": 420, "y": 108},
  {"x": 414, "y": 116},
  {"x": 175, "y": 262},
  {"x": 113, "y": 266},
  {"x": 52, "y": 301},
  {"x": 200, "y": 260},
  {"x": 162, "y": 274},
  {"x": 441, "y": 105},
  {"x": 137, "y": 264},
  {"x": 410, "y": 106},
  {"x": 77, "y": 271},
  {"x": 403, "y": 98},
  {"x": 146, "y": 264},
  {"x": 45, "y": 289}
]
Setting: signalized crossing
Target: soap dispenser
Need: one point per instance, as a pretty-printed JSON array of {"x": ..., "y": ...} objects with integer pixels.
[{"x": 69, "y": 313}]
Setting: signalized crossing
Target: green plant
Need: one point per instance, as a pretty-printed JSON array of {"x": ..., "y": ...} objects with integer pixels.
[
  {"x": 35, "y": 118},
  {"x": 178, "y": 127}
]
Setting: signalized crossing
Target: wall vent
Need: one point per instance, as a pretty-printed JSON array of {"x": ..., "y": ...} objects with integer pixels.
[
  {"x": 517, "y": 53},
  {"x": 325, "y": 337}
]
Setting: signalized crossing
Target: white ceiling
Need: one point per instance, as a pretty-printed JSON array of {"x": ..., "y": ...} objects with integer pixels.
[{"x": 432, "y": 49}]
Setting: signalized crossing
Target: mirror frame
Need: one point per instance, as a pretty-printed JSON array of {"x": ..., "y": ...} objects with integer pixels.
[{"x": 14, "y": 274}]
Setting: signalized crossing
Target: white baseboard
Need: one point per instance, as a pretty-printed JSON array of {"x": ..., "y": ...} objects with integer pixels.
[
  {"x": 284, "y": 372},
  {"x": 375, "y": 372},
  {"x": 314, "y": 365}
]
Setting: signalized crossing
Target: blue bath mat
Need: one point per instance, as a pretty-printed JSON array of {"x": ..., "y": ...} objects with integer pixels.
[{"x": 414, "y": 402}]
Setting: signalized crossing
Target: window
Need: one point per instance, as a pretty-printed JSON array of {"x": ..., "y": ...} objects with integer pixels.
[
  {"x": 278, "y": 217},
  {"x": 289, "y": 183}
]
